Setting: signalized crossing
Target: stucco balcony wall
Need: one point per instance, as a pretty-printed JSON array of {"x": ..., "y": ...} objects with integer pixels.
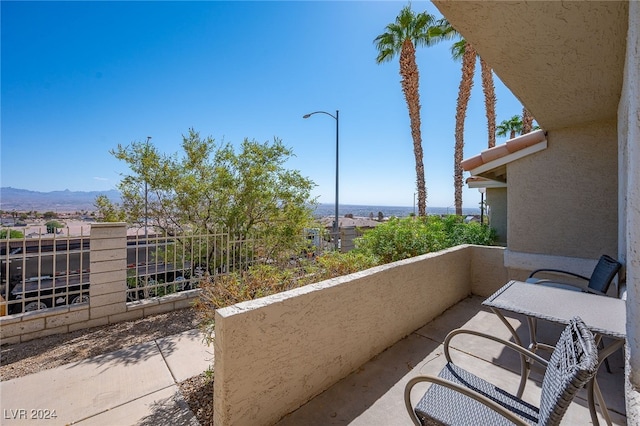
[{"x": 274, "y": 354}]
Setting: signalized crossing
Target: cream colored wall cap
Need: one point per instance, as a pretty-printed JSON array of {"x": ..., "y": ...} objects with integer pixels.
[{"x": 108, "y": 224}]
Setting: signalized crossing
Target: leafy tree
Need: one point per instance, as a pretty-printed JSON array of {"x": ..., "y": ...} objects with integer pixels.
[
  {"x": 52, "y": 226},
  {"x": 10, "y": 233},
  {"x": 211, "y": 187},
  {"x": 50, "y": 215},
  {"x": 401, "y": 38},
  {"x": 109, "y": 212}
]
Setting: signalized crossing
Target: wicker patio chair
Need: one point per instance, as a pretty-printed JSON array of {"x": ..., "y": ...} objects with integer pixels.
[
  {"x": 598, "y": 283},
  {"x": 457, "y": 397}
]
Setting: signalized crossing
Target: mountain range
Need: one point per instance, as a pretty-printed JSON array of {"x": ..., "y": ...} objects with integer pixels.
[{"x": 58, "y": 201}]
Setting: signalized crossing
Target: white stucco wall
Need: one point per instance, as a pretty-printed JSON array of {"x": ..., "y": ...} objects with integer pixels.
[{"x": 629, "y": 199}]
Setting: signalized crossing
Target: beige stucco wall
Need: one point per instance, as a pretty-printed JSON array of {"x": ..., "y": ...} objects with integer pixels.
[
  {"x": 274, "y": 354},
  {"x": 497, "y": 202},
  {"x": 488, "y": 273},
  {"x": 563, "y": 200},
  {"x": 629, "y": 196}
]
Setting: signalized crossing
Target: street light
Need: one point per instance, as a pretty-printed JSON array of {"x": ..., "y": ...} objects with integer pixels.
[
  {"x": 146, "y": 215},
  {"x": 335, "y": 222},
  {"x": 482, "y": 192}
]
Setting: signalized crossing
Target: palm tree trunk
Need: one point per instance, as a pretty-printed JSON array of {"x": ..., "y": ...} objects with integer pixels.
[
  {"x": 489, "y": 102},
  {"x": 464, "y": 92},
  {"x": 527, "y": 121},
  {"x": 409, "y": 74}
]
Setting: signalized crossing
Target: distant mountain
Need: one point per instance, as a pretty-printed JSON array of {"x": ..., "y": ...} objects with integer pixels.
[{"x": 60, "y": 201}]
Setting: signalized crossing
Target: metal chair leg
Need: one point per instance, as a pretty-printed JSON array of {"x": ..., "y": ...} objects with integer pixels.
[{"x": 606, "y": 360}]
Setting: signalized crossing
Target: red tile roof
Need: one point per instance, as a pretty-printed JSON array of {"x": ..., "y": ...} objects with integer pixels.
[{"x": 501, "y": 151}]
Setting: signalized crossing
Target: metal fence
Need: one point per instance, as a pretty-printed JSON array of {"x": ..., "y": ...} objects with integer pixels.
[
  {"x": 161, "y": 265},
  {"x": 52, "y": 270},
  {"x": 43, "y": 272}
]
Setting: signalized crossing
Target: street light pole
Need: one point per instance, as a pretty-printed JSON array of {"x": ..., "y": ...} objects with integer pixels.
[
  {"x": 146, "y": 212},
  {"x": 482, "y": 192},
  {"x": 337, "y": 118}
]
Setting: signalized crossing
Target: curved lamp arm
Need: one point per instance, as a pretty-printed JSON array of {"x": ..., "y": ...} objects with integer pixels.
[{"x": 320, "y": 112}]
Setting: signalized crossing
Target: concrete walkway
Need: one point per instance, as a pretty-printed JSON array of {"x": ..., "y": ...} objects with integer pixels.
[{"x": 135, "y": 385}]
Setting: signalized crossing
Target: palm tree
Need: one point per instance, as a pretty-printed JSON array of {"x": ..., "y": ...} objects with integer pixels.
[
  {"x": 465, "y": 51},
  {"x": 489, "y": 101},
  {"x": 401, "y": 38},
  {"x": 527, "y": 121},
  {"x": 511, "y": 126}
]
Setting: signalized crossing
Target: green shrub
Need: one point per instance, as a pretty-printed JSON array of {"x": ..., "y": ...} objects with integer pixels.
[
  {"x": 335, "y": 264},
  {"x": 10, "y": 234},
  {"x": 412, "y": 236},
  {"x": 459, "y": 232},
  {"x": 399, "y": 239}
]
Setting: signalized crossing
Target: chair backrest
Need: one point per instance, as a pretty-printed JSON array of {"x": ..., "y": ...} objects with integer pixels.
[
  {"x": 572, "y": 364},
  {"x": 603, "y": 274}
]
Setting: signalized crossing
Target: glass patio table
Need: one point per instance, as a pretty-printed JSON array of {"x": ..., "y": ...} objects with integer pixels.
[{"x": 604, "y": 316}]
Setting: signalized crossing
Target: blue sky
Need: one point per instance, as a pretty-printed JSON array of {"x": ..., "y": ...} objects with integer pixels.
[{"x": 78, "y": 78}]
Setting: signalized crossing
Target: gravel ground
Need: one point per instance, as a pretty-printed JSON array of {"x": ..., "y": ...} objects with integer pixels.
[{"x": 53, "y": 351}]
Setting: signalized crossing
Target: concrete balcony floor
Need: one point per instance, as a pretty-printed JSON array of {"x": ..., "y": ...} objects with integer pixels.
[{"x": 373, "y": 395}]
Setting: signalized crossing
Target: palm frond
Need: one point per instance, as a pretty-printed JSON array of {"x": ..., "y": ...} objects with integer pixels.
[
  {"x": 420, "y": 28},
  {"x": 457, "y": 49}
]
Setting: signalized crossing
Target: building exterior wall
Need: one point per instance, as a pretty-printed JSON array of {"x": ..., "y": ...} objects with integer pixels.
[
  {"x": 563, "y": 200},
  {"x": 497, "y": 202},
  {"x": 274, "y": 354},
  {"x": 629, "y": 205}
]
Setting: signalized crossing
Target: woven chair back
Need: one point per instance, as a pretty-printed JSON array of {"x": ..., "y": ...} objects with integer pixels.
[
  {"x": 572, "y": 364},
  {"x": 603, "y": 274}
]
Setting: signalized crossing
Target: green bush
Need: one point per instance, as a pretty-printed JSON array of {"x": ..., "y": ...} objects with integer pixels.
[
  {"x": 335, "y": 264},
  {"x": 53, "y": 226},
  {"x": 412, "y": 236},
  {"x": 10, "y": 234},
  {"x": 459, "y": 232}
]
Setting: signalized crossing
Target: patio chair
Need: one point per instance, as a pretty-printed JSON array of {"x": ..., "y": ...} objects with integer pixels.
[
  {"x": 458, "y": 397},
  {"x": 599, "y": 282}
]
